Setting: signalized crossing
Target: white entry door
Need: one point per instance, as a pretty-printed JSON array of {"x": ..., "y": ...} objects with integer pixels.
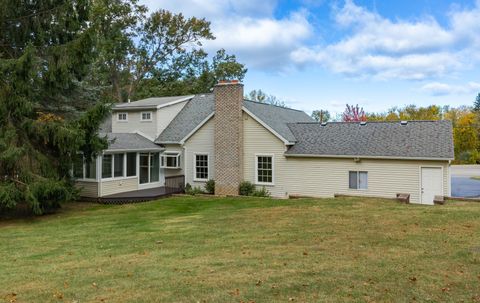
[{"x": 432, "y": 184}]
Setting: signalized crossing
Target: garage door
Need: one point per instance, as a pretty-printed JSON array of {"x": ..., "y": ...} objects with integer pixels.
[{"x": 432, "y": 184}]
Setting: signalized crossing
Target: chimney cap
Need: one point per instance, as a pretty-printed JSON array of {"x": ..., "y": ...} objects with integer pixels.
[{"x": 228, "y": 82}]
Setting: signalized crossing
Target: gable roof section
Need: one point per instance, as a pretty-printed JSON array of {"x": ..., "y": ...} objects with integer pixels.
[
  {"x": 202, "y": 107},
  {"x": 128, "y": 141},
  {"x": 415, "y": 140},
  {"x": 152, "y": 103},
  {"x": 277, "y": 118},
  {"x": 196, "y": 111}
]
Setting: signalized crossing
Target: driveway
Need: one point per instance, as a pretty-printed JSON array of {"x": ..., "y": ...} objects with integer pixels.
[{"x": 462, "y": 183}]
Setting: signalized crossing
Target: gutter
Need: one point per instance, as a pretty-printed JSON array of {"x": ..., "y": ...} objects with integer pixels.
[{"x": 365, "y": 157}]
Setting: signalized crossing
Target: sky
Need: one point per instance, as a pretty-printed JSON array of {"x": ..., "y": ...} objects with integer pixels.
[{"x": 324, "y": 54}]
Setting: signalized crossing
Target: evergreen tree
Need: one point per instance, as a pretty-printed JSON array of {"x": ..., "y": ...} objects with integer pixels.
[
  {"x": 476, "y": 104},
  {"x": 45, "y": 51}
]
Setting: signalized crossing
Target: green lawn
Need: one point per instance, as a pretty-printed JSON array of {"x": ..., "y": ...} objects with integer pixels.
[{"x": 200, "y": 249}]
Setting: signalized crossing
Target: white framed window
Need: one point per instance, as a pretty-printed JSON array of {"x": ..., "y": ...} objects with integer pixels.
[
  {"x": 146, "y": 116},
  {"x": 201, "y": 167},
  {"x": 149, "y": 168},
  {"x": 264, "y": 169},
  {"x": 170, "y": 160},
  {"x": 122, "y": 117},
  {"x": 358, "y": 180},
  {"x": 84, "y": 170}
]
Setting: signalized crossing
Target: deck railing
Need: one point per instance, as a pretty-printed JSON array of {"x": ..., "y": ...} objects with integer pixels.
[{"x": 175, "y": 184}]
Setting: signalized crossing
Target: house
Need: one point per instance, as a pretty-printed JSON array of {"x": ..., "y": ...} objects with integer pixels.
[{"x": 223, "y": 137}]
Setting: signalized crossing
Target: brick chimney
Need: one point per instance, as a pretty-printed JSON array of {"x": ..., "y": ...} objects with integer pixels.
[{"x": 228, "y": 137}]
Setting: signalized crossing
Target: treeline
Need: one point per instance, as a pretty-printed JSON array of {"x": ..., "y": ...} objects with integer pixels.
[{"x": 64, "y": 62}]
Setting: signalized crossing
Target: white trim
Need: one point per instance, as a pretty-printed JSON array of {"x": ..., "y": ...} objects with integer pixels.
[
  {"x": 176, "y": 154},
  {"x": 256, "y": 169},
  {"x": 137, "y": 107},
  {"x": 366, "y": 157},
  {"x": 358, "y": 180},
  {"x": 176, "y": 101},
  {"x": 420, "y": 181},
  {"x": 195, "y": 166},
  {"x": 120, "y": 113},
  {"x": 196, "y": 128},
  {"x": 146, "y": 120},
  {"x": 285, "y": 141},
  {"x": 143, "y": 135},
  {"x": 117, "y": 151}
]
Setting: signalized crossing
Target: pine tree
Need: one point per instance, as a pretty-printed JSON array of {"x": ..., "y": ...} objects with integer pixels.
[
  {"x": 476, "y": 104},
  {"x": 45, "y": 51}
]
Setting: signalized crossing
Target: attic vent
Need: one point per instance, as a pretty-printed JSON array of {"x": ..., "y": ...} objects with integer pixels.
[
  {"x": 363, "y": 123},
  {"x": 404, "y": 122},
  {"x": 324, "y": 123}
]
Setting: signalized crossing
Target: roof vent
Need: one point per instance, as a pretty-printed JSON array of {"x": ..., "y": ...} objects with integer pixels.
[
  {"x": 363, "y": 123},
  {"x": 324, "y": 123},
  {"x": 403, "y": 122}
]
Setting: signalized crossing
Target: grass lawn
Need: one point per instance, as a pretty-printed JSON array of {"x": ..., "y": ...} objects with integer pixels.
[{"x": 200, "y": 249}]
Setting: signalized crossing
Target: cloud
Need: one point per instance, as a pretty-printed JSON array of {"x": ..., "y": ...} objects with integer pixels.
[
  {"x": 247, "y": 29},
  {"x": 377, "y": 47},
  {"x": 440, "y": 89}
]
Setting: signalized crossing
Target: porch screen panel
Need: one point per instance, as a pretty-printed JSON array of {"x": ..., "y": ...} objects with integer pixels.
[
  {"x": 144, "y": 168},
  {"x": 107, "y": 166},
  {"x": 154, "y": 167},
  {"x": 131, "y": 164}
]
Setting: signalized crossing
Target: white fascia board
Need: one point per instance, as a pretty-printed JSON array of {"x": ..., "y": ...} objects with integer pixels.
[{"x": 366, "y": 157}]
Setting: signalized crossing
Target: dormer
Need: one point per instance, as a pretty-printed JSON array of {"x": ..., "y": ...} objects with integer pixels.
[{"x": 148, "y": 117}]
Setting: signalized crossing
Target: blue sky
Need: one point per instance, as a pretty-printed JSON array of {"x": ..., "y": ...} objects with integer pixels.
[{"x": 323, "y": 54}]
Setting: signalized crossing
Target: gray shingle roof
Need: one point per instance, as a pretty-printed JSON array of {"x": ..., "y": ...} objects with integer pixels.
[
  {"x": 416, "y": 139},
  {"x": 151, "y": 102},
  {"x": 277, "y": 117},
  {"x": 202, "y": 106},
  {"x": 128, "y": 141}
]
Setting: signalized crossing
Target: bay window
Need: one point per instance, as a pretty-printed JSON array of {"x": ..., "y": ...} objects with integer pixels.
[{"x": 170, "y": 160}]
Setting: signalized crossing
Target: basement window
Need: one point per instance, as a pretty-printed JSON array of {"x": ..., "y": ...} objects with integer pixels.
[
  {"x": 358, "y": 180},
  {"x": 170, "y": 160}
]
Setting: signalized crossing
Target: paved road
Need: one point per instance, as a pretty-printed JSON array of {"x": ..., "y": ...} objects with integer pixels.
[{"x": 462, "y": 183}]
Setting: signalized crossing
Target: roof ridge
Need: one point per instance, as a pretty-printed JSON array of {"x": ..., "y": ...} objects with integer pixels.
[
  {"x": 368, "y": 122},
  {"x": 268, "y": 104}
]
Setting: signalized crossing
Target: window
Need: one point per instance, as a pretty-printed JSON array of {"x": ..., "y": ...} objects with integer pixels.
[
  {"x": 118, "y": 165},
  {"x": 146, "y": 116},
  {"x": 201, "y": 167},
  {"x": 107, "y": 166},
  {"x": 131, "y": 164},
  {"x": 264, "y": 169},
  {"x": 84, "y": 169},
  {"x": 358, "y": 180},
  {"x": 149, "y": 168},
  {"x": 122, "y": 117},
  {"x": 170, "y": 160}
]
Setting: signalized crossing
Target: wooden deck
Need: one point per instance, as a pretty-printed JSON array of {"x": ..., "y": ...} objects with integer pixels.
[
  {"x": 141, "y": 195},
  {"x": 174, "y": 185}
]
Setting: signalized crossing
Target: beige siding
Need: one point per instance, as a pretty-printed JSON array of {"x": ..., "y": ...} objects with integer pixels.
[
  {"x": 149, "y": 128},
  {"x": 258, "y": 140},
  {"x": 200, "y": 142},
  {"x": 175, "y": 172},
  {"x": 160, "y": 119},
  {"x": 324, "y": 177},
  {"x": 87, "y": 189},
  {"x": 166, "y": 114},
  {"x": 118, "y": 186}
]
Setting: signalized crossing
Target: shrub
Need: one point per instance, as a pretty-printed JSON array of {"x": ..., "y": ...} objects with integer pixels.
[
  {"x": 263, "y": 192},
  {"x": 46, "y": 196},
  {"x": 246, "y": 188},
  {"x": 193, "y": 190},
  {"x": 210, "y": 187}
]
